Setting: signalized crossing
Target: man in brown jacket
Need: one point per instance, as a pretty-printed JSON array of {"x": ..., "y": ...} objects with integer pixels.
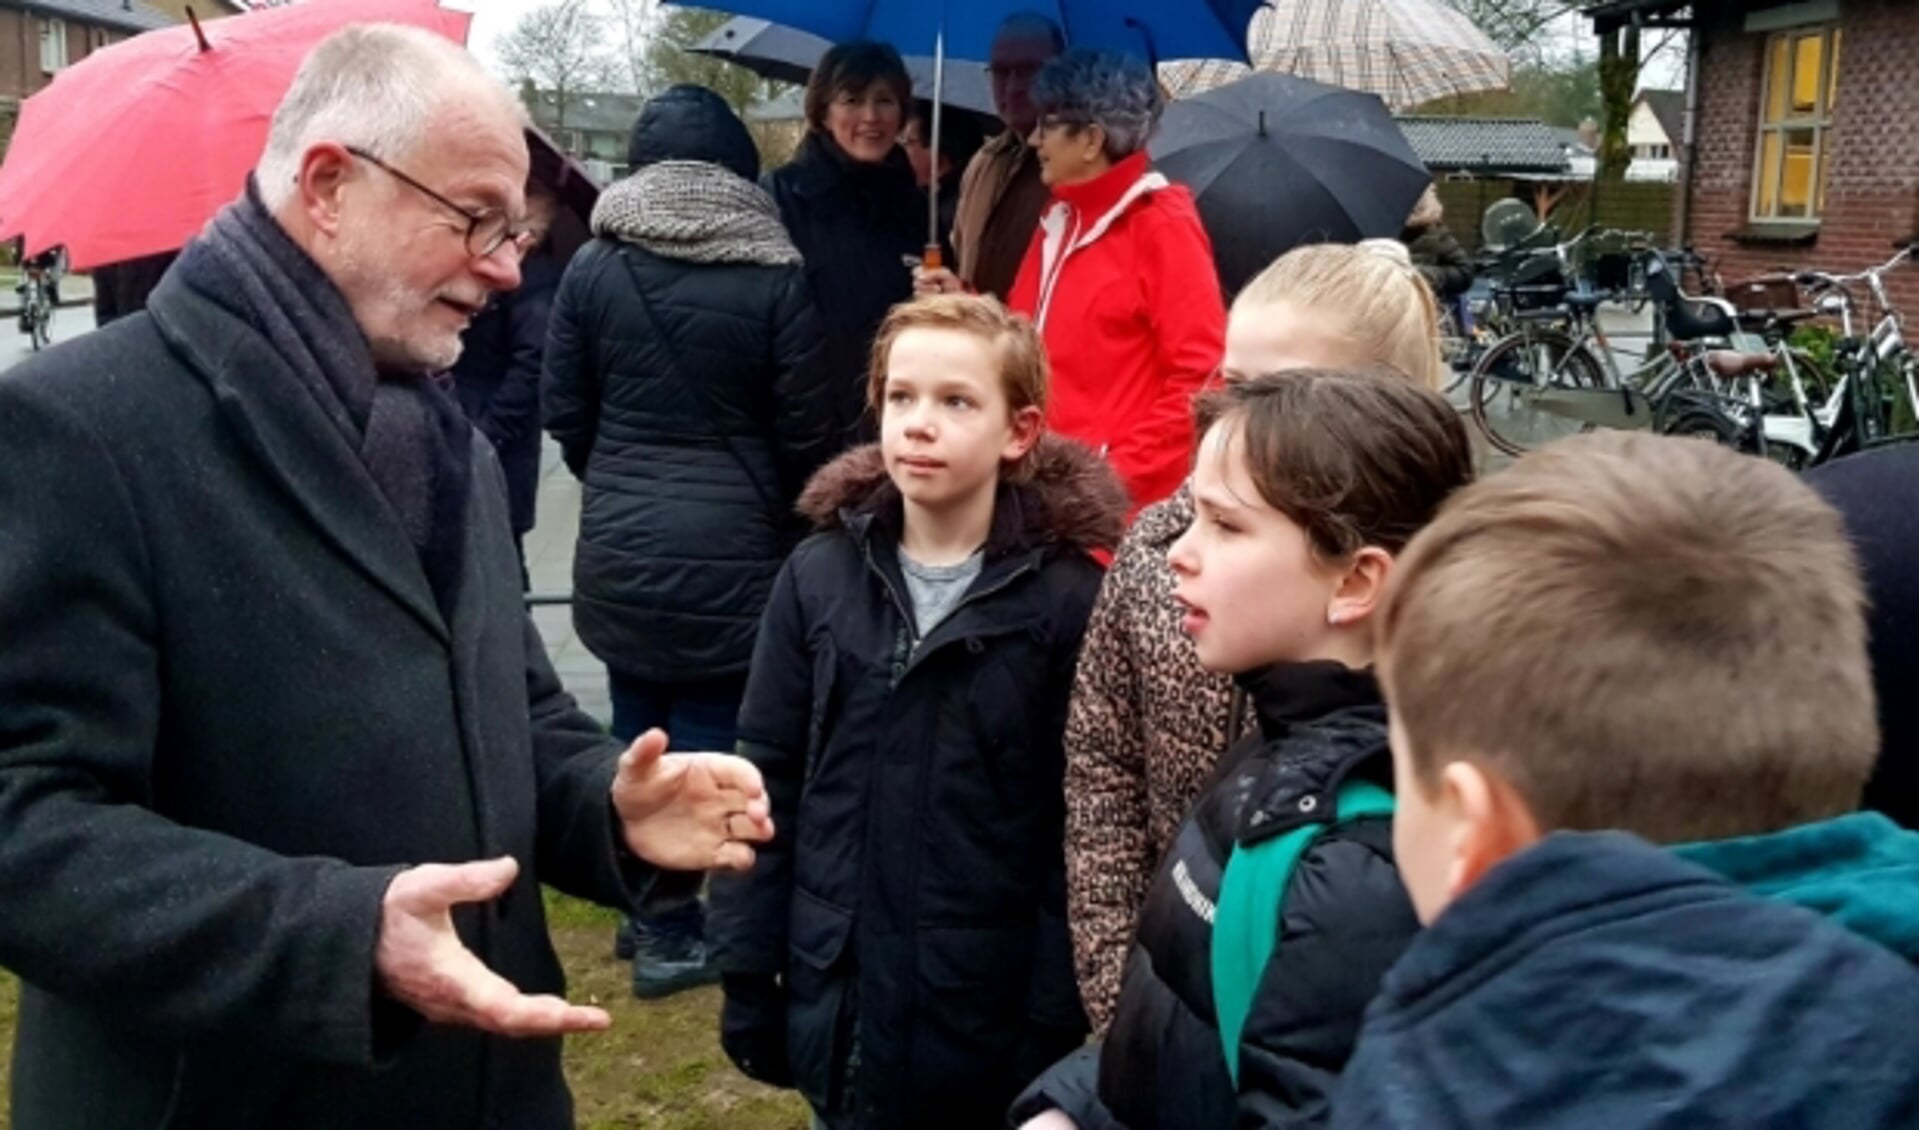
[{"x": 1001, "y": 195}]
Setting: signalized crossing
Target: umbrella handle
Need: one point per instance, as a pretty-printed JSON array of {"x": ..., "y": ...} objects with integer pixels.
[{"x": 932, "y": 258}]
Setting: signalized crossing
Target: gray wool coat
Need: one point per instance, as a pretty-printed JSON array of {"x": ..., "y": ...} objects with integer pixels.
[{"x": 230, "y": 711}]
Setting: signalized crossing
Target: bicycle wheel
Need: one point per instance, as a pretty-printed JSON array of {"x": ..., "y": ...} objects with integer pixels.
[
  {"x": 1697, "y": 413},
  {"x": 1503, "y": 395}
]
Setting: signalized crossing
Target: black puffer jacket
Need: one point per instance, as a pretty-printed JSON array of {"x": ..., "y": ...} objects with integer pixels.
[
  {"x": 498, "y": 379},
  {"x": 856, "y": 224},
  {"x": 688, "y": 502},
  {"x": 1346, "y": 920},
  {"x": 914, "y": 900}
]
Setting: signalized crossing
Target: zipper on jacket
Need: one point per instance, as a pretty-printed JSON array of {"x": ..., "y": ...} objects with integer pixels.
[
  {"x": 910, "y": 637},
  {"x": 970, "y": 598},
  {"x": 907, "y": 637}
]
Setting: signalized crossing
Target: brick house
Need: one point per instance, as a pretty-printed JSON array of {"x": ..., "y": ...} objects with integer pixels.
[
  {"x": 592, "y": 127},
  {"x": 39, "y": 38},
  {"x": 1803, "y": 149}
]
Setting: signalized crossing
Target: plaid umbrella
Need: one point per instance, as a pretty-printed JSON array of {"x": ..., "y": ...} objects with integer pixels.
[{"x": 1406, "y": 51}]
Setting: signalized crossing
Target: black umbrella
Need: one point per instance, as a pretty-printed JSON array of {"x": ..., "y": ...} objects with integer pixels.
[
  {"x": 1276, "y": 162},
  {"x": 787, "y": 54},
  {"x": 571, "y": 185}
]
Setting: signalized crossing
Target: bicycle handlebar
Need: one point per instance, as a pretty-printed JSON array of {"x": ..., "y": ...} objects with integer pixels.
[{"x": 1828, "y": 280}]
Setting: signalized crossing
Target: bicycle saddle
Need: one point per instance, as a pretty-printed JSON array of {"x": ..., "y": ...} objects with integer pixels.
[{"x": 1733, "y": 363}]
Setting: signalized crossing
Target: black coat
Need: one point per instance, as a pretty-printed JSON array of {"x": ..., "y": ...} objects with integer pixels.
[
  {"x": 498, "y": 379},
  {"x": 121, "y": 288},
  {"x": 1436, "y": 253},
  {"x": 1346, "y": 920},
  {"x": 857, "y": 225},
  {"x": 682, "y": 531},
  {"x": 230, "y": 711},
  {"x": 1595, "y": 980},
  {"x": 1878, "y": 494},
  {"x": 914, "y": 899}
]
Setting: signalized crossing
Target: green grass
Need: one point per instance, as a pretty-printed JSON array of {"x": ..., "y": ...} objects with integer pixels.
[
  {"x": 9, "y": 1011},
  {"x": 659, "y": 1067}
]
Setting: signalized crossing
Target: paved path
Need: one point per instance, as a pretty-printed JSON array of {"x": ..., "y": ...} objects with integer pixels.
[{"x": 549, "y": 560}]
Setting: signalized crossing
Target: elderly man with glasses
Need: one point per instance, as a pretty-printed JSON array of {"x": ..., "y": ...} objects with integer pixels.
[
  {"x": 282, "y": 761},
  {"x": 1001, "y": 194}
]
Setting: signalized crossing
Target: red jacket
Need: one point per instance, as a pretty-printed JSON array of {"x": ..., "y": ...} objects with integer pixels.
[{"x": 1120, "y": 280}]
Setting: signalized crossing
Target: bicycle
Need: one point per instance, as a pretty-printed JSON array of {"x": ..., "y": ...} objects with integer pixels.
[
  {"x": 1857, "y": 410},
  {"x": 1540, "y": 382},
  {"x": 36, "y": 307}
]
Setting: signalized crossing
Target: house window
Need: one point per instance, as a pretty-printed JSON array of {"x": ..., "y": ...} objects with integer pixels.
[
  {"x": 1795, "y": 124},
  {"x": 53, "y": 45}
]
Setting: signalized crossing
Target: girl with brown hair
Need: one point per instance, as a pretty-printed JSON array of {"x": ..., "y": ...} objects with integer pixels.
[
  {"x": 1147, "y": 721},
  {"x": 1306, "y": 486}
]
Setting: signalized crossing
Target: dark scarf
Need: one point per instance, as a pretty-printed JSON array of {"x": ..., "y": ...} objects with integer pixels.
[
  {"x": 407, "y": 428},
  {"x": 881, "y": 183}
]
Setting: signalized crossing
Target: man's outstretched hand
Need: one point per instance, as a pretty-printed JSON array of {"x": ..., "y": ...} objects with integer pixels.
[
  {"x": 423, "y": 965},
  {"x": 690, "y": 811}
]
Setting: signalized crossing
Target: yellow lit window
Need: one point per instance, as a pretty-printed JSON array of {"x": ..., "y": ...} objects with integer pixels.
[{"x": 1795, "y": 121}]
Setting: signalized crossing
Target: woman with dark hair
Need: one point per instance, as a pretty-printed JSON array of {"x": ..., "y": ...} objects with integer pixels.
[
  {"x": 849, "y": 200},
  {"x": 683, "y": 384}
]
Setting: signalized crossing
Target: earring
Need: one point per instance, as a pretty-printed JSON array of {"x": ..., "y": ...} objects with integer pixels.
[{"x": 1332, "y": 617}]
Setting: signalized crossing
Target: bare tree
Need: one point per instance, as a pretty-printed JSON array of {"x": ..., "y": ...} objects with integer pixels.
[
  {"x": 636, "y": 23},
  {"x": 1516, "y": 24},
  {"x": 670, "y": 60},
  {"x": 1618, "y": 82},
  {"x": 560, "y": 48}
]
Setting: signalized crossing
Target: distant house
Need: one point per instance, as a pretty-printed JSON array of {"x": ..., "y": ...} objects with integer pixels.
[
  {"x": 1653, "y": 132},
  {"x": 592, "y": 127},
  {"x": 1541, "y": 162},
  {"x": 1804, "y": 144},
  {"x": 1508, "y": 148},
  {"x": 41, "y": 38}
]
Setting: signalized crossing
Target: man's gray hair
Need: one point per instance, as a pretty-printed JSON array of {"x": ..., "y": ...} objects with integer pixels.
[
  {"x": 1031, "y": 25},
  {"x": 371, "y": 86},
  {"x": 1115, "y": 92}
]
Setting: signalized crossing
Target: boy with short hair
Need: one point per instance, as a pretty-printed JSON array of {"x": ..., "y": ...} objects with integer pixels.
[
  {"x": 1666, "y": 638},
  {"x": 899, "y": 953}
]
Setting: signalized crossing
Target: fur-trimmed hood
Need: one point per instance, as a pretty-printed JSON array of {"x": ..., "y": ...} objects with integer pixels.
[{"x": 1072, "y": 497}]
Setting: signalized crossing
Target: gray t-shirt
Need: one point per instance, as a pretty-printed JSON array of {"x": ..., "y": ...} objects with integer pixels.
[{"x": 937, "y": 589}]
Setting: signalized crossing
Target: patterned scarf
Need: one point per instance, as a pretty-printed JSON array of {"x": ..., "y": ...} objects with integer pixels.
[{"x": 695, "y": 212}]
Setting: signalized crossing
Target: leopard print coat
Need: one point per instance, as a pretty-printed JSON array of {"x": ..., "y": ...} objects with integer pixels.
[{"x": 1145, "y": 726}]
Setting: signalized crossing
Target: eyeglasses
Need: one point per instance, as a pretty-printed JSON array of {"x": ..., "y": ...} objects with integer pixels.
[
  {"x": 1013, "y": 70},
  {"x": 486, "y": 230},
  {"x": 1050, "y": 122}
]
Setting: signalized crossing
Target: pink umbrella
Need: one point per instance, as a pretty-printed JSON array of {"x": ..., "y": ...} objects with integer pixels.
[{"x": 130, "y": 151}]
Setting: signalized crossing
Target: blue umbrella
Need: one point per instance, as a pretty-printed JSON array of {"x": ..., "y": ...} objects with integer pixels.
[
  {"x": 964, "y": 29},
  {"x": 1155, "y": 29}
]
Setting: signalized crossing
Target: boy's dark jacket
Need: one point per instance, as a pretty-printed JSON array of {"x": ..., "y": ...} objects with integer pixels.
[
  {"x": 914, "y": 896},
  {"x": 1346, "y": 920},
  {"x": 1596, "y": 980}
]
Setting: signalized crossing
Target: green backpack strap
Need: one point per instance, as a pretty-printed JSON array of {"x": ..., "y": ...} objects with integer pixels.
[{"x": 1252, "y": 898}]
